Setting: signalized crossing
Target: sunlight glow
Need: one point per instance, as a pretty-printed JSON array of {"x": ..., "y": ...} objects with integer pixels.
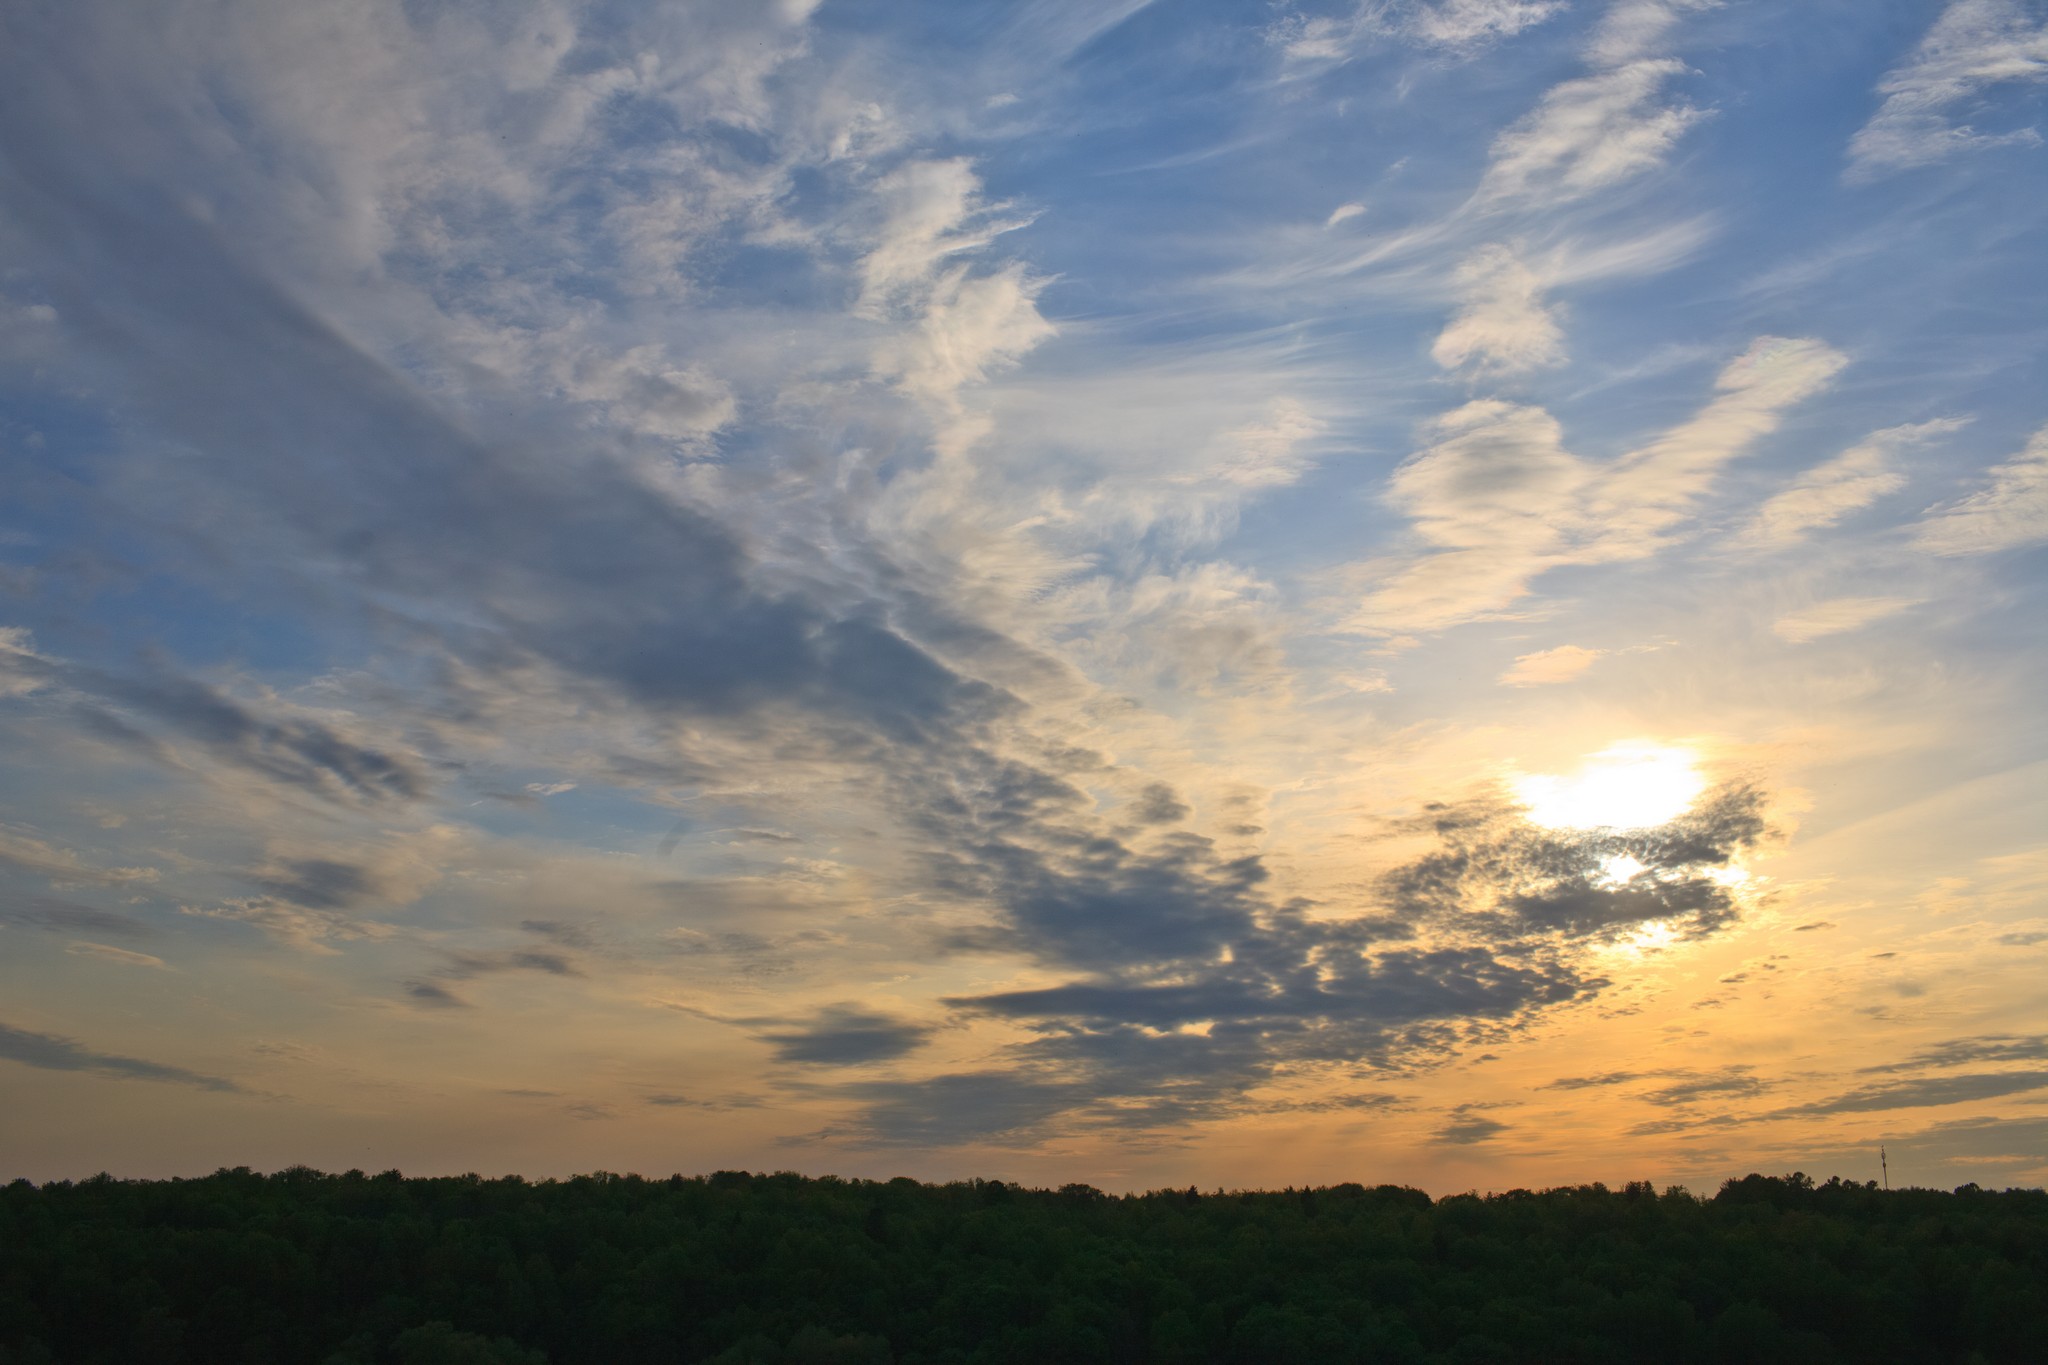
[
  {"x": 1620, "y": 869},
  {"x": 1627, "y": 786},
  {"x": 1651, "y": 938}
]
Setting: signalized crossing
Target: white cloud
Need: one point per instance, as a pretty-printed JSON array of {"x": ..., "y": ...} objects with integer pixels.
[
  {"x": 1634, "y": 29},
  {"x": 1652, "y": 490},
  {"x": 1269, "y": 453},
  {"x": 970, "y": 326},
  {"x": 1854, "y": 479},
  {"x": 1975, "y": 44},
  {"x": 1498, "y": 493},
  {"x": 1547, "y": 666},
  {"x": 2011, "y": 511},
  {"x": 1502, "y": 501},
  {"x": 1343, "y": 213},
  {"x": 1837, "y": 616},
  {"x": 1498, "y": 477},
  {"x": 641, "y": 390},
  {"x": 1502, "y": 326},
  {"x": 1589, "y": 133},
  {"x": 1469, "y": 23},
  {"x": 932, "y": 211},
  {"x": 1601, "y": 129},
  {"x": 1449, "y": 26}
]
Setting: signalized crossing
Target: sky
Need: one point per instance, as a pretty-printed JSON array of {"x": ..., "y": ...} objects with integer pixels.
[{"x": 1445, "y": 592}]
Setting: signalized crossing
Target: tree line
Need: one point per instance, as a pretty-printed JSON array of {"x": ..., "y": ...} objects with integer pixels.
[{"x": 734, "y": 1268}]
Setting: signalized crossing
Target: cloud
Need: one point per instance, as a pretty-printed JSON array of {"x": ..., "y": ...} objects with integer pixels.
[
  {"x": 1548, "y": 666},
  {"x": 1502, "y": 501},
  {"x": 1598, "y": 130},
  {"x": 1501, "y": 326},
  {"x": 1195, "y": 991},
  {"x": 322, "y": 883},
  {"x": 1464, "y": 24},
  {"x": 1989, "y": 1047},
  {"x": 312, "y": 931},
  {"x": 1452, "y": 27},
  {"x": 1853, "y": 480},
  {"x": 1466, "y": 1128},
  {"x": 2012, "y": 511},
  {"x": 53, "y": 1053},
  {"x": 1652, "y": 489},
  {"x": 932, "y": 211},
  {"x": 1974, "y": 45},
  {"x": 434, "y": 996},
  {"x": 62, "y": 867},
  {"x": 1158, "y": 804},
  {"x": 1732, "y": 1084},
  {"x": 121, "y": 955},
  {"x": 313, "y": 898},
  {"x": 1837, "y": 616},
  {"x": 1925, "y": 1092},
  {"x": 56, "y": 916},
  {"x": 846, "y": 1035},
  {"x": 1601, "y": 1080},
  {"x": 285, "y": 744}
]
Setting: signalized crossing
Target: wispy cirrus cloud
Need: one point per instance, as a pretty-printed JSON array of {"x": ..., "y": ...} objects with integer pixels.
[
  {"x": 2010, "y": 511},
  {"x": 1837, "y": 616},
  {"x": 1546, "y": 667},
  {"x": 1602, "y": 129},
  {"x": 1502, "y": 325},
  {"x": 1974, "y": 46},
  {"x": 1859, "y": 476},
  {"x": 1500, "y": 500},
  {"x": 1457, "y": 27}
]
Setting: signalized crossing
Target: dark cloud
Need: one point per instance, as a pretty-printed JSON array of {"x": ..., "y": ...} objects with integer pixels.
[
  {"x": 1926, "y": 1092},
  {"x": 52, "y": 1053},
  {"x": 69, "y": 917},
  {"x": 1501, "y": 877},
  {"x": 1810, "y": 928},
  {"x": 720, "y": 1104},
  {"x": 1197, "y": 987},
  {"x": 320, "y": 883},
  {"x": 1989, "y": 1047},
  {"x": 1465, "y": 1128},
  {"x": 1732, "y": 1084},
  {"x": 437, "y": 996},
  {"x": 846, "y": 1036},
  {"x": 462, "y": 966},
  {"x": 1601, "y": 1079},
  {"x": 568, "y": 935},
  {"x": 1159, "y": 804},
  {"x": 296, "y": 751},
  {"x": 2024, "y": 940}
]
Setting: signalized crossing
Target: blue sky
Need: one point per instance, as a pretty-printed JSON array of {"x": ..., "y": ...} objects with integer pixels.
[{"x": 1435, "y": 589}]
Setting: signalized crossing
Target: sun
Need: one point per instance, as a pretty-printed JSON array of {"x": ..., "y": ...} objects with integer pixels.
[{"x": 1625, "y": 786}]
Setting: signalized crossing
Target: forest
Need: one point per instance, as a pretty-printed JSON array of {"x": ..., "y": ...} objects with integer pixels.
[{"x": 733, "y": 1268}]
